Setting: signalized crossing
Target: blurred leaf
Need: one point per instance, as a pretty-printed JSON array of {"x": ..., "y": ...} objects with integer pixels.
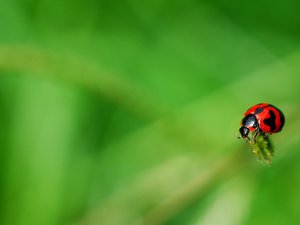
[{"x": 127, "y": 113}]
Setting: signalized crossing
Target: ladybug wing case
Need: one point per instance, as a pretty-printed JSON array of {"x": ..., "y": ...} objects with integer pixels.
[
  {"x": 254, "y": 108},
  {"x": 270, "y": 119}
]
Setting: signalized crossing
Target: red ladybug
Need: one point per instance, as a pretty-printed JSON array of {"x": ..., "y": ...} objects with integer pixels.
[{"x": 262, "y": 118}]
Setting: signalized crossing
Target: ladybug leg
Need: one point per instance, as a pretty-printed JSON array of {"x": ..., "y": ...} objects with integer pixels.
[
  {"x": 265, "y": 135},
  {"x": 257, "y": 130},
  {"x": 247, "y": 139}
]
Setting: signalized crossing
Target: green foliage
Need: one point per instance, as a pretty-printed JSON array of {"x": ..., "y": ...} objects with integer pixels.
[
  {"x": 262, "y": 148},
  {"x": 123, "y": 112}
]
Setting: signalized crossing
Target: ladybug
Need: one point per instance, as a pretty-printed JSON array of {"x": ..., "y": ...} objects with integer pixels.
[{"x": 262, "y": 118}]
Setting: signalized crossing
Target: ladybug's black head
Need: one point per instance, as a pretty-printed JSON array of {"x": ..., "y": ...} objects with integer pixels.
[
  {"x": 244, "y": 131},
  {"x": 248, "y": 123}
]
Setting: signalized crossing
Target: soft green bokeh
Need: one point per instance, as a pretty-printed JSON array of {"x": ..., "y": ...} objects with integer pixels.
[{"x": 127, "y": 112}]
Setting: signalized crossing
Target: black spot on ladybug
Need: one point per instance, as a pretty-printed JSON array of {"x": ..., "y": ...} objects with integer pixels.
[
  {"x": 258, "y": 110},
  {"x": 271, "y": 121}
]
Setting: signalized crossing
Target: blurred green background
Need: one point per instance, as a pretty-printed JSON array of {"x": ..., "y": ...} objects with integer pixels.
[{"x": 127, "y": 112}]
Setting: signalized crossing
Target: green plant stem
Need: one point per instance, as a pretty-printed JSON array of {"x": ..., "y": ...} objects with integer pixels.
[
  {"x": 114, "y": 88},
  {"x": 192, "y": 190}
]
